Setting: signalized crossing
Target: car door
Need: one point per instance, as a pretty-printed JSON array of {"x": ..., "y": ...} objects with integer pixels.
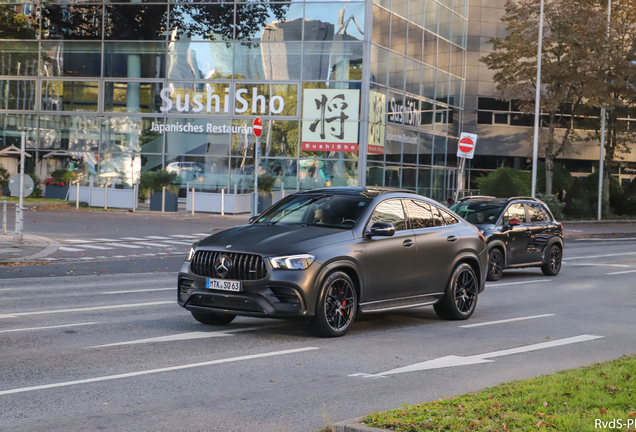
[
  {"x": 539, "y": 232},
  {"x": 390, "y": 263},
  {"x": 437, "y": 244},
  {"x": 517, "y": 237}
]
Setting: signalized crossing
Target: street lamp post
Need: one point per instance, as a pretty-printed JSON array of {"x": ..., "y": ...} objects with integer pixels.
[
  {"x": 537, "y": 100},
  {"x": 601, "y": 162}
]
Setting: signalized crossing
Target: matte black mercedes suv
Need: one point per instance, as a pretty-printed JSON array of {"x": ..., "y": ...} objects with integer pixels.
[
  {"x": 520, "y": 231},
  {"x": 329, "y": 254}
]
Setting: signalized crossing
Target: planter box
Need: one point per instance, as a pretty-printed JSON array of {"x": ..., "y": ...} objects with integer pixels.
[
  {"x": 5, "y": 190},
  {"x": 172, "y": 201},
  {"x": 264, "y": 201},
  {"x": 56, "y": 192}
]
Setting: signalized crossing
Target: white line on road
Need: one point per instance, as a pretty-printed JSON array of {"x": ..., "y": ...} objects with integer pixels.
[
  {"x": 177, "y": 242},
  {"x": 602, "y": 265},
  {"x": 450, "y": 361},
  {"x": 202, "y": 234},
  {"x": 124, "y": 245},
  {"x": 49, "y": 327},
  {"x": 505, "y": 321},
  {"x": 133, "y": 238},
  {"x": 182, "y": 236},
  {"x": 600, "y": 256},
  {"x": 153, "y": 371},
  {"x": 107, "y": 240},
  {"x": 188, "y": 336},
  {"x": 96, "y": 247},
  {"x": 86, "y": 309},
  {"x": 153, "y": 244},
  {"x": 517, "y": 283},
  {"x": 140, "y": 290},
  {"x": 77, "y": 241},
  {"x": 621, "y": 272},
  {"x": 70, "y": 249},
  {"x": 158, "y": 238}
]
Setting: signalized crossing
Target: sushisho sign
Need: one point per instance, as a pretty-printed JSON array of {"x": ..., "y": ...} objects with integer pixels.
[
  {"x": 377, "y": 122},
  {"x": 330, "y": 120}
]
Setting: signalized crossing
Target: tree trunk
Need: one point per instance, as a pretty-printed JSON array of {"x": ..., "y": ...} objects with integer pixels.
[{"x": 549, "y": 167}]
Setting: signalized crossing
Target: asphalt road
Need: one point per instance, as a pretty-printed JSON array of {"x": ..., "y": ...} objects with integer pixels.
[{"x": 105, "y": 347}]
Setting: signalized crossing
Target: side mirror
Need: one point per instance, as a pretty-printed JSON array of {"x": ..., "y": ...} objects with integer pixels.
[
  {"x": 253, "y": 218},
  {"x": 380, "y": 229},
  {"x": 514, "y": 222}
]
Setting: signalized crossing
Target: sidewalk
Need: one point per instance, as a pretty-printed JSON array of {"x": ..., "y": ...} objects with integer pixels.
[
  {"x": 31, "y": 249},
  {"x": 591, "y": 229}
]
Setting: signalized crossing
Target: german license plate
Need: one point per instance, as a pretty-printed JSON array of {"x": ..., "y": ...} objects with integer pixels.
[{"x": 222, "y": 284}]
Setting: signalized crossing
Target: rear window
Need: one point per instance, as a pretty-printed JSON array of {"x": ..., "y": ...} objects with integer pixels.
[{"x": 478, "y": 212}]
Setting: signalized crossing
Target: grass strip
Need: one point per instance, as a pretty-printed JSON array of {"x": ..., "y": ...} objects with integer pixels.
[{"x": 571, "y": 400}]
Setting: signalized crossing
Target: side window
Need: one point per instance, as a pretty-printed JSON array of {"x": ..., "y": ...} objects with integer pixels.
[
  {"x": 390, "y": 211},
  {"x": 439, "y": 220},
  {"x": 420, "y": 214},
  {"x": 515, "y": 211},
  {"x": 537, "y": 214},
  {"x": 448, "y": 218}
]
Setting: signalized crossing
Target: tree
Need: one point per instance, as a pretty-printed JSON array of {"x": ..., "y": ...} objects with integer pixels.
[{"x": 572, "y": 29}]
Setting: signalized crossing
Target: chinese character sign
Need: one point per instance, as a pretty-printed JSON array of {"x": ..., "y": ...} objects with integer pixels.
[
  {"x": 377, "y": 122},
  {"x": 330, "y": 120}
]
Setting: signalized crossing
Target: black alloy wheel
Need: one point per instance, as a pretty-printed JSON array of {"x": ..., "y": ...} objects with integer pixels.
[
  {"x": 460, "y": 298},
  {"x": 495, "y": 265},
  {"x": 213, "y": 318},
  {"x": 336, "y": 307},
  {"x": 552, "y": 266}
]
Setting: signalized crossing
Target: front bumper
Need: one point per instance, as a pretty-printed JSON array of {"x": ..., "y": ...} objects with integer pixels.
[{"x": 281, "y": 294}]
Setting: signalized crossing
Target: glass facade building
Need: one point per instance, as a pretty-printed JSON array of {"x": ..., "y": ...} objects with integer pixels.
[{"x": 348, "y": 92}]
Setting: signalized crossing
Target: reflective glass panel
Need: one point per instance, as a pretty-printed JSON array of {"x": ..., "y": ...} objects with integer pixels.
[
  {"x": 200, "y": 60},
  {"x": 284, "y": 171},
  {"x": 132, "y": 97},
  {"x": 425, "y": 149},
  {"x": 204, "y": 98},
  {"x": 268, "y": 61},
  {"x": 375, "y": 174},
  {"x": 323, "y": 22},
  {"x": 392, "y": 175},
  {"x": 415, "y": 42},
  {"x": 332, "y": 61},
  {"x": 266, "y": 99},
  {"x": 398, "y": 34},
  {"x": 427, "y": 110},
  {"x": 443, "y": 55},
  {"x": 318, "y": 173},
  {"x": 18, "y": 58},
  {"x": 457, "y": 61},
  {"x": 132, "y": 134},
  {"x": 416, "y": 12},
  {"x": 283, "y": 140},
  {"x": 441, "y": 94},
  {"x": 17, "y": 94},
  {"x": 413, "y": 76},
  {"x": 198, "y": 136},
  {"x": 444, "y": 23},
  {"x": 69, "y": 95},
  {"x": 205, "y": 173},
  {"x": 69, "y": 59},
  {"x": 459, "y": 6},
  {"x": 459, "y": 30},
  {"x": 409, "y": 149},
  {"x": 379, "y": 65},
  {"x": 135, "y": 59},
  {"x": 409, "y": 177},
  {"x": 136, "y": 22},
  {"x": 19, "y": 21},
  {"x": 393, "y": 145},
  {"x": 430, "y": 49},
  {"x": 400, "y": 7},
  {"x": 72, "y": 22},
  {"x": 424, "y": 181},
  {"x": 381, "y": 26},
  {"x": 428, "y": 82},
  {"x": 12, "y": 127},
  {"x": 269, "y": 22},
  {"x": 430, "y": 15},
  {"x": 76, "y": 133},
  {"x": 455, "y": 92},
  {"x": 242, "y": 174},
  {"x": 202, "y": 21},
  {"x": 396, "y": 71}
]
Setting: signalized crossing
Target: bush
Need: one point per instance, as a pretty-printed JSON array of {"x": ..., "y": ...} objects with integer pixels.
[
  {"x": 579, "y": 209},
  {"x": 62, "y": 175},
  {"x": 156, "y": 180},
  {"x": 561, "y": 178},
  {"x": 4, "y": 175},
  {"x": 505, "y": 182},
  {"x": 37, "y": 190},
  {"x": 265, "y": 183},
  {"x": 553, "y": 203},
  {"x": 616, "y": 191}
]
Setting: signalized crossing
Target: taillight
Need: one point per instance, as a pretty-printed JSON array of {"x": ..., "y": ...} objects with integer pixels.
[{"x": 481, "y": 236}]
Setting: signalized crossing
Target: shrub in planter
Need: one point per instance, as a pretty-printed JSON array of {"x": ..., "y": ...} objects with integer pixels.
[
  {"x": 265, "y": 185},
  {"x": 37, "y": 190},
  {"x": 154, "y": 182},
  {"x": 4, "y": 180}
]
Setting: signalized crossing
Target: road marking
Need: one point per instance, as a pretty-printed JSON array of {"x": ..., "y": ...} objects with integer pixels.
[
  {"x": 602, "y": 265},
  {"x": 70, "y": 249},
  {"x": 188, "y": 336},
  {"x": 599, "y": 256},
  {"x": 153, "y": 371},
  {"x": 606, "y": 239},
  {"x": 621, "y": 272},
  {"x": 106, "y": 240},
  {"x": 506, "y": 320},
  {"x": 140, "y": 290},
  {"x": 517, "y": 283},
  {"x": 177, "y": 242},
  {"x": 451, "y": 361},
  {"x": 133, "y": 238},
  {"x": 182, "y": 236},
  {"x": 49, "y": 327},
  {"x": 158, "y": 238},
  {"x": 124, "y": 245},
  {"x": 153, "y": 244},
  {"x": 148, "y": 254},
  {"x": 119, "y": 256},
  {"x": 85, "y": 258},
  {"x": 78, "y": 241},
  {"x": 86, "y": 309},
  {"x": 202, "y": 234},
  {"x": 97, "y": 247}
]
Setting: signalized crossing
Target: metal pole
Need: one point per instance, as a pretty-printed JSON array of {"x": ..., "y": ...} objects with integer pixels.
[
  {"x": 601, "y": 161},
  {"x": 106, "y": 195},
  {"x": 17, "y": 224},
  {"x": 223, "y": 202},
  {"x": 256, "y": 151},
  {"x": 22, "y": 153},
  {"x": 537, "y": 108},
  {"x": 134, "y": 206},
  {"x": 192, "y": 201},
  {"x": 282, "y": 190},
  {"x": 77, "y": 195},
  {"x": 163, "y": 200},
  {"x": 4, "y": 218}
]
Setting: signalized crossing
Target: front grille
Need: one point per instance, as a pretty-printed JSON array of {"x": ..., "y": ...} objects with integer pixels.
[{"x": 245, "y": 267}]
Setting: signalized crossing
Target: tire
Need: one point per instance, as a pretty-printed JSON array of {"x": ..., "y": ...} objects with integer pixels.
[
  {"x": 213, "y": 318},
  {"x": 460, "y": 298},
  {"x": 552, "y": 266},
  {"x": 336, "y": 306},
  {"x": 495, "y": 265}
]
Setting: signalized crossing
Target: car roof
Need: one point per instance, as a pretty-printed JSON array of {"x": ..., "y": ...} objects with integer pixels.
[{"x": 367, "y": 192}]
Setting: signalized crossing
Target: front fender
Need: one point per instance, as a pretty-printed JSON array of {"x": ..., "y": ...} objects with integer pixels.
[
  {"x": 500, "y": 244},
  {"x": 328, "y": 268},
  {"x": 481, "y": 261}
]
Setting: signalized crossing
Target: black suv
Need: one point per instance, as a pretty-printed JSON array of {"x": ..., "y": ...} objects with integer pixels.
[{"x": 520, "y": 231}]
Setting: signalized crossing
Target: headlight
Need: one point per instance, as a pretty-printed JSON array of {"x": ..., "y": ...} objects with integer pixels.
[
  {"x": 189, "y": 254},
  {"x": 292, "y": 262}
]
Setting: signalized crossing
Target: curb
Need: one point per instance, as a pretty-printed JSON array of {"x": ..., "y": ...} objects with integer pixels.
[
  {"x": 51, "y": 247},
  {"x": 354, "y": 425}
]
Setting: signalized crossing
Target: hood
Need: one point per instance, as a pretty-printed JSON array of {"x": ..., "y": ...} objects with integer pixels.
[{"x": 271, "y": 240}]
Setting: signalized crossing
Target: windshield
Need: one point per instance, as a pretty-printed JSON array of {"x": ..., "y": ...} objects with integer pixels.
[
  {"x": 479, "y": 213},
  {"x": 333, "y": 211}
]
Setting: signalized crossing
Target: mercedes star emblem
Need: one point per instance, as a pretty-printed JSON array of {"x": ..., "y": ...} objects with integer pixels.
[{"x": 223, "y": 265}]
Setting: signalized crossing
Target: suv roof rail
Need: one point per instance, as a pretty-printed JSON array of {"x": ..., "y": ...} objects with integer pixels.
[
  {"x": 477, "y": 197},
  {"x": 522, "y": 198}
]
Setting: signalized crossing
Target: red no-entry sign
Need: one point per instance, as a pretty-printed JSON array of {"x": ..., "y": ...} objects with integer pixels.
[
  {"x": 466, "y": 147},
  {"x": 258, "y": 127}
]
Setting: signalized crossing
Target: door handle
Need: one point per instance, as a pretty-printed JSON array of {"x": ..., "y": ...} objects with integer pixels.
[
  {"x": 451, "y": 239},
  {"x": 408, "y": 243}
]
